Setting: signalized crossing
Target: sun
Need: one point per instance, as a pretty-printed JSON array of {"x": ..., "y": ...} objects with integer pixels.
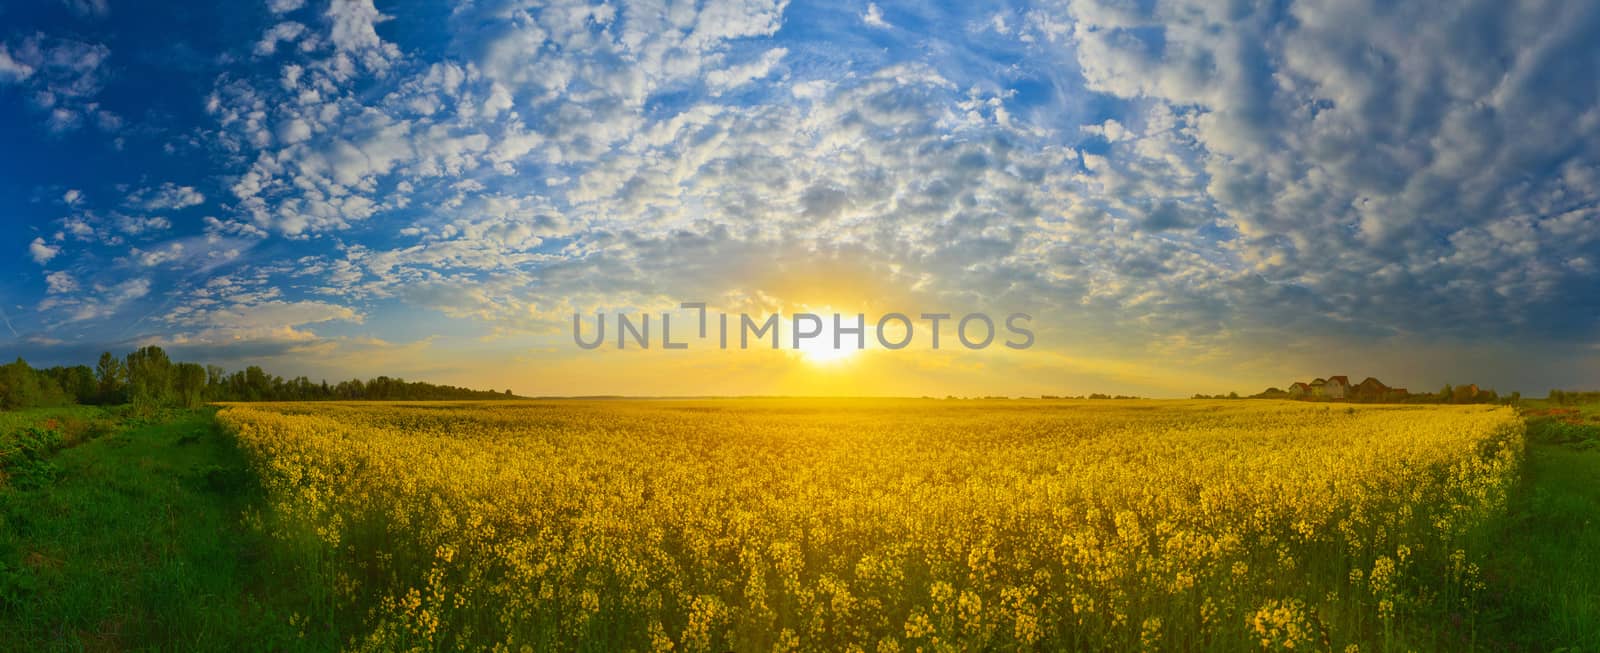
[{"x": 820, "y": 350}]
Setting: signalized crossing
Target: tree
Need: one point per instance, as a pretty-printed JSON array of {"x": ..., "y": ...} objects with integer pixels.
[
  {"x": 190, "y": 384},
  {"x": 257, "y": 386},
  {"x": 76, "y": 381},
  {"x": 22, "y": 386},
  {"x": 216, "y": 382},
  {"x": 150, "y": 378},
  {"x": 111, "y": 376},
  {"x": 1447, "y": 394}
]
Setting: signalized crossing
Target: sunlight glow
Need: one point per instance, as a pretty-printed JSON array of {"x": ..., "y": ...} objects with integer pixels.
[{"x": 820, "y": 350}]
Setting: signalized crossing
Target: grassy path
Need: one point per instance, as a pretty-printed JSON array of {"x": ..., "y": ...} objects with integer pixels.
[
  {"x": 137, "y": 544},
  {"x": 1544, "y": 576}
]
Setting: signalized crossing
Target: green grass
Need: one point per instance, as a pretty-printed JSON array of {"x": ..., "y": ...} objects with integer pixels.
[
  {"x": 137, "y": 544},
  {"x": 1544, "y": 574},
  {"x": 12, "y": 420}
]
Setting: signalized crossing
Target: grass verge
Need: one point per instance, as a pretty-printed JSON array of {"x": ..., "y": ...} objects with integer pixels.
[
  {"x": 134, "y": 541},
  {"x": 1544, "y": 574}
]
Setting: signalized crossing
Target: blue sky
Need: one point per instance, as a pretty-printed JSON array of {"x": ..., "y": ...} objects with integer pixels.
[{"x": 1190, "y": 196}]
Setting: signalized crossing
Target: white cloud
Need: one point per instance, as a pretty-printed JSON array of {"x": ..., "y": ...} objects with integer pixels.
[
  {"x": 214, "y": 226},
  {"x": 60, "y": 76},
  {"x": 246, "y": 319},
  {"x": 105, "y": 301},
  {"x": 60, "y": 282},
  {"x": 42, "y": 252},
  {"x": 354, "y": 31},
  {"x": 72, "y": 196},
  {"x": 284, "y": 32},
  {"x": 12, "y": 70},
  {"x": 129, "y": 290},
  {"x": 284, "y": 6},
  {"x": 202, "y": 253},
  {"x": 168, "y": 196},
  {"x": 726, "y": 79},
  {"x": 874, "y": 17},
  {"x": 79, "y": 228},
  {"x": 294, "y": 130},
  {"x": 1237, "y": 183},
  {"x": 169, "y": 252},
  {"x": 135, "y": 225},
  {"x": 62, "y": 119}
]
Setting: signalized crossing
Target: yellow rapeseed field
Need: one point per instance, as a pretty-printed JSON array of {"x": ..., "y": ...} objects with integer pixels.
[{"x": 882, "y": 525}]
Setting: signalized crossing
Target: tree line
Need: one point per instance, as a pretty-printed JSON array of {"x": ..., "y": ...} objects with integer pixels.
[
  {"x": 147, "y": 378},
  {"x": 1574, "y": 397}
]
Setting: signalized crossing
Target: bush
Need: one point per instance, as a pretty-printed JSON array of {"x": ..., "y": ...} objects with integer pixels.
[
  {"x": 1554, "y": 430},
  {"x": 23, "y": 456},
  {"x": 24, "y": 387}
]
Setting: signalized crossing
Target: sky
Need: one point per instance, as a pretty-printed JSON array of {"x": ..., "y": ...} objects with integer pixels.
[{"x": 1185, "y": 196}]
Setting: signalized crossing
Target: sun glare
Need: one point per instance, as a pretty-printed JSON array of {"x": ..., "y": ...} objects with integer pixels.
[{"x": 820, "y": 350}]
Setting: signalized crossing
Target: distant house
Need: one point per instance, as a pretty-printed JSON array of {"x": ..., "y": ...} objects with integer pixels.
[
  {"x": 1337, "y": 387},
  {"x": 1370, "y": 389}
]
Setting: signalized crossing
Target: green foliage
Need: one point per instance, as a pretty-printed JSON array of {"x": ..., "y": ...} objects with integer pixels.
[
  {"x": 190, "y": 385},
  {"x": 1554, "y": 430},
  {"x": 151, "y": 379},
  {"x": 138, "y": 543},
  {"x": 77, "y": 382},
  {"x": 29, "y": 438},
  {"x": 23, "y": 458},
  {"x": 22, "y": 386},
  {"x": 1574, "y": 397},
  {"x": 111, "y": 376}
]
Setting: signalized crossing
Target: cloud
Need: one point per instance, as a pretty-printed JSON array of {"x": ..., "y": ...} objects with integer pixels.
[
  {"x": 60, "y": 282},
  {"x": 12, "y": 70},
  {"x": 42, "y": 252},
  {"x": 102, "y": 301},
  {"x": 152, "y": 258},
  {"x": 1379, "y": 160},
  {"x": 873, "y": 17},
  {"x": 253, "y": 328},
  {"x": 724, "y": 80},
  {"x": 136, "y": 226},
  {"x": 216, "y": 227},
  {"x": 284, "y": 6},
  {"x": 60, "y": 75},
  {"x": 284, "y": 32},
  {"x": 168, "y": 196},
  {"x": 1163, "y": 180},
  {"x": 294, "y": 130},
  {"x": 267, "y": 314},
  {"x": 355, "y": 32}
]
